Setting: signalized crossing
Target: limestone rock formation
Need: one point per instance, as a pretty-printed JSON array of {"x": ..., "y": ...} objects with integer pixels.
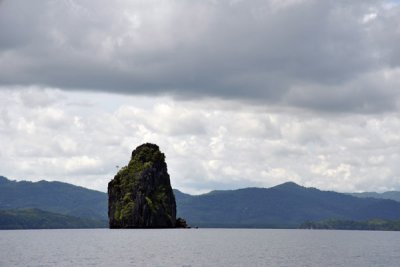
[
  {"x": 181, "y": 223},
  {"x": 140, "y": 195}
]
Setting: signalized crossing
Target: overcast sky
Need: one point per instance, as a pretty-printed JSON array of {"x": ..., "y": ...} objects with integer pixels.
[{"x": 235, "y": 93}]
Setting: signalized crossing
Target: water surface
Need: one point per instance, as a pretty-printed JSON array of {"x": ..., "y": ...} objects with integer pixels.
[{"x": 199, "y": 247}]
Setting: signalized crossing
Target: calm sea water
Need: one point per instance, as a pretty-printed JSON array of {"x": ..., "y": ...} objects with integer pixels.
[{"x": 199, "y": 247}]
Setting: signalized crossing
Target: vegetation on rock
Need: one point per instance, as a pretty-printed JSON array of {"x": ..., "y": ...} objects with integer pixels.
[{"x": 140, "y": 195}]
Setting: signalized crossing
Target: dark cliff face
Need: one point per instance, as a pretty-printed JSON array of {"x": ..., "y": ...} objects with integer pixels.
[{"x": 140, "y": 195}]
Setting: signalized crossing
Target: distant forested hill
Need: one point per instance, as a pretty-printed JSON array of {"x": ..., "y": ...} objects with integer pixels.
[
  {"x": 393, "y": 195},
  {"x": 39, "y": 219},
  {"x": 377, "y": 225},
  {"x": 286, "y": 205},
  {"x": 55, "y": 197}
]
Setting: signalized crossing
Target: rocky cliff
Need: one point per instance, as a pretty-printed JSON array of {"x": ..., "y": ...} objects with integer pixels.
[{"x": 140, "y": 195}]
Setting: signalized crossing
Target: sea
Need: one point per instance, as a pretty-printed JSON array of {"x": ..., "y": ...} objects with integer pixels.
[{"x": 199, "y": 247}]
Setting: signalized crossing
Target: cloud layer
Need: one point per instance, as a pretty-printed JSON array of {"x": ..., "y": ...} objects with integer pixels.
[
  {"x": 236, "y": 93},
  {"x": 335, "y": 56},
  {"x": 50, "y": 134}
]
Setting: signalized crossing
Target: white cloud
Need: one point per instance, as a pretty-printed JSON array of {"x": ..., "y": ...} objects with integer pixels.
[{"x": 235, "y": 147}]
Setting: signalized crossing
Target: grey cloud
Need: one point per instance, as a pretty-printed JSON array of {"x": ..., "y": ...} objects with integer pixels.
[
  {"x": 258, "y": 51},
  {"x": 368, "y": 93}
]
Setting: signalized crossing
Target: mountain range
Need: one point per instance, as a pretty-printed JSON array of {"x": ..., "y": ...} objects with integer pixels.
[
  {"x": 284, "y": 206},
  {"x": 394, "y": 195},
  {"x": 39, "y": 219},
  {"x": 54, "y": 197}
]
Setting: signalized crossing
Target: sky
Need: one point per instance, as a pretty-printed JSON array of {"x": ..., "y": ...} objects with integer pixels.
[{"x": 236, "y": 93}]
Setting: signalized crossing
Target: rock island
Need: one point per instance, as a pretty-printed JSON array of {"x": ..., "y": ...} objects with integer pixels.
[{"x": 140, "y": 195}]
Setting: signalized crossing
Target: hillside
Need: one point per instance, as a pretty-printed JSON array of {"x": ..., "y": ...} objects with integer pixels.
[
  {"x": 393, "y": 195},
  {"x": 371, "y": 225},
  {"x": 285, "y": 205},
  {"x": 39, "y": 219},
  {"x": 55, "y": 197}
]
